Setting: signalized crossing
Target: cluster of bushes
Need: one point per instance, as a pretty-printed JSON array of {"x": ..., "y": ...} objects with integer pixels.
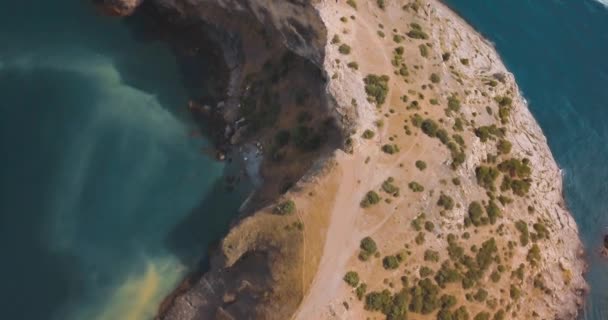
[
  {"x": 376, "y": 88},
  {"x": 394, "y": 306},
  {"x": 516, "y": 168},
  {"x": 390, "y": 148},
  {"x": 486, "y": 176},
  {"x": 431, "y": 255},
  {"x": 390, "y": 188},
  {"x": 489, "y": 132},
  {"x": 416, "y": 32},
  {"x": 432, "y": 129},
  {"x": 370, "y": 198},
  {"x": 524, "y": 233},
  {"x": 534, "y": 256},
  {"x": 285, "y": 208},
  {"x": 418, "y": 221}
]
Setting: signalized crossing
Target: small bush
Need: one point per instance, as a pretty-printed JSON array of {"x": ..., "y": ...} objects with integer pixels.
[
  {"x": 361, "y": 289},
  {"x": 435, "y": 78},
  {"x": 390, "y": 262},
  {"x": 353, "y": 65},
  {"x": 504, "y": 146},
  {"x": 453, "y": 104},
  {"x": 368, "y": 134},
  {"x": 370, "y": 198},
  {"x": 381, "y": 4},
  {"x": 464, "y": 61},
  {"x": 424, "y": 50},
  {"x": 390, "y": 148},
  {"x": 352, "y": 278},
  {"x": 417, "y": 34},
  {"x": 286, "y": 207},
  {"x": 486, "y": 176},
  {"x": 431, "y": 255},
  {"x": 421, "y": 165},
  {"x": 352, "y": 3},
  {"x": 416, "y": 187},
  {"x": 446, "y": 56},
  {"x": 344, "y": 49},
  {"x": 446, "y": 202},
  {"x": 368, "y": 245},
  {"x": 476, "y": 214}
]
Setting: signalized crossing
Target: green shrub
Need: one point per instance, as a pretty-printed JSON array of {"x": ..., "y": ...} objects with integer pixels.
[
  {"x": 481, "y": 295},
  {"x": 493, "y": 211},
  {"x": 445, "y": 201},
  {"x": 353, "y": 65},
  {"x": 429, "y": 127},
  {"x": 390, "y": 262},
  {"x": 464, "y": 61},
  {"x": 489, "y": 132},
  {"x": 435, "y": 78},
  {"x": 344, "y": 49},
  {"x": 424, "y": 50},
  {"x": 524, "y": 234},
  {"x": 499, "y": 315},
  {"x": 419, "y": 238},
  {"x": 515, "y": 168},
  {"x": 446, "y": 56},
  {"x": 425, "y": 272},
  {"x": 429, "y": 226},
  {"x": 352, "y": 3},
  {"x": 361, "y": 289},
  {"x": 368, "y": 245},
  {"x": 285, "y": 207},
  {"x": 368, "y": 134},
  {"x": 416, "y": 187},
  {"x": 476, "y": 213},
  {"x": 453, "y": 104},
  {"x": 417, "y": 34},
  {"x": 486, "y": 176},
  {"x": 370, "y": 198},
  {"x": 534, "y": 256},
  {"x": 335, "y": 39},
  {"x": 504, "y": 146},
  {"x": 390, "y": 148},
  {"x": 431, "y": 255},
  {"x": 421, "y": 165},
  {"x": 381, "y": 4},
  {"x": 376, "y": 88},
  {"x": 482, "y": 316},
  {"x": 352, "y": 278},
  {"x": 514, "y": 292},
  {"x": 504, "y": 113},
  {"x": 390, "y": 188}
]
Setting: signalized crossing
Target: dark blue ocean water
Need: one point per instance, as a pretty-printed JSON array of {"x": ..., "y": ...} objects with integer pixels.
[
  {"x": 106, "y": 200},
  {"x": 558, "y": 51}
]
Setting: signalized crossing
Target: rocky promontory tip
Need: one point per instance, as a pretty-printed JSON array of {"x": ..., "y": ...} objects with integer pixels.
[{"x": 118, "y": 7}]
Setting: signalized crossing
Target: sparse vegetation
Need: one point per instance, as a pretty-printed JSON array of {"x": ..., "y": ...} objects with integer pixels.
[
  {"x": 344, "y": 49},
  {"x": 285, "y": 208}
]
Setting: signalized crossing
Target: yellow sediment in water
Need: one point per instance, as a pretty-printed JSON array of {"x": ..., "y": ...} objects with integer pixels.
[{"x": 139, "y": 296}]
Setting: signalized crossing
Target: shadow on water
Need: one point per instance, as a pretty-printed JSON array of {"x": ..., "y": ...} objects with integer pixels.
[{"x": 203, "y": 227}]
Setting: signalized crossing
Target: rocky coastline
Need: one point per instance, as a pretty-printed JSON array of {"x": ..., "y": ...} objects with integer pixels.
[{"x": 274, "y": 266}]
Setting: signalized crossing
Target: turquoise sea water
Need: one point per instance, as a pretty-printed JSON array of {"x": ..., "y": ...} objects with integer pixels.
[
  {"x": 558, "y": 51},
  {"x": 106, "y": 199}
]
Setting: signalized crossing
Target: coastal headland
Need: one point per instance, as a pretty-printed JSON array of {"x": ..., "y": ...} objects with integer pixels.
[{"x": 403, "y": 174}]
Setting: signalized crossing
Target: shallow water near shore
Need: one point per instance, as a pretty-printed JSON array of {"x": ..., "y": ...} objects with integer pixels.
[
  {"x": 558, "y": 51},
  {"x": 106, "y": 199}
]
